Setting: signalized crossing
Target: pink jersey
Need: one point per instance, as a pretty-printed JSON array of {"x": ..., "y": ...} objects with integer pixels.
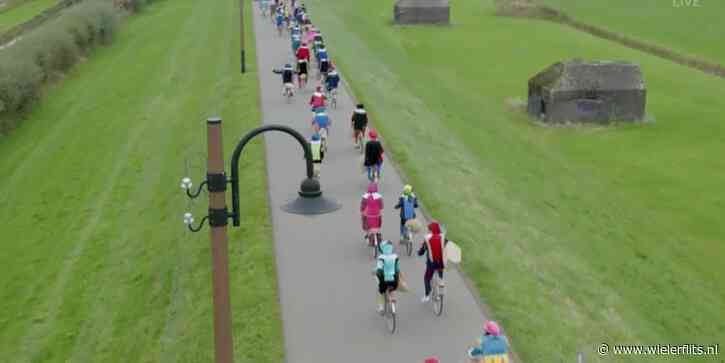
[{"x": 311, "y": 36}]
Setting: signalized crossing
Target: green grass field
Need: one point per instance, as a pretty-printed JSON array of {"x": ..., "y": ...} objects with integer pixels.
[
  {"x": 97, "y": 265},
  {"x": 574, "y": 236},
  {"x": 21, "y": 12},
  {"x": 693, "y": 30}
]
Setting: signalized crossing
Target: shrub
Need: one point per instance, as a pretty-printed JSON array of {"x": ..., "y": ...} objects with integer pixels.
[
  {"x": 19, "y": 84},
  {"x": 49, "y": 49}
]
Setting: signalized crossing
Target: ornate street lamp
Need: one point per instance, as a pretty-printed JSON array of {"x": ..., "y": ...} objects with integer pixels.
[{"x": 309, "y": 201}]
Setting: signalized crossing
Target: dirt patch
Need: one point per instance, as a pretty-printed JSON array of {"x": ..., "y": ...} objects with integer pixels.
[{"x": 530, "y": 9}]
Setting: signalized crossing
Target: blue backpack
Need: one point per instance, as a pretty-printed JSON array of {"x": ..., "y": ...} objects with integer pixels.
[{"x": 408, "y": 207}]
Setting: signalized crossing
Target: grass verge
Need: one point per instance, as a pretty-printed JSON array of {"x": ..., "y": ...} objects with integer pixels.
[{"x": 96, "y": 264}]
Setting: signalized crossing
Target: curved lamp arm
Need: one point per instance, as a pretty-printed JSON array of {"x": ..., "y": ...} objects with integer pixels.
[
  {"x": 201, "y": 225},
  {"x": 238, "y": 150},
  {"x": 198, "y": 191}
]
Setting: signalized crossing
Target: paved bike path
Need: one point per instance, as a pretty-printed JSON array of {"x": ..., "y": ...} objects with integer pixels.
[{"x": 326, "y": 288}]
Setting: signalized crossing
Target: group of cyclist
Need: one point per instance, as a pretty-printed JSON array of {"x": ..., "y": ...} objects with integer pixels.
[{"x": 291, "y": 15}]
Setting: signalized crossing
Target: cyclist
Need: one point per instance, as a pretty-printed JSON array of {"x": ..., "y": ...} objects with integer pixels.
[
  {"x": 296, "y": 41},
  {"x": 387, "y": 271},
  {"x": 407, "y": 203},
  {"x": 279, "y": 20},
  {"x": 303, "y": 52},
  {"x": 332, "y": 81},
  {"x": 296, "y": 29},
  {"x": 263, "y": 6},
  {"x": 432, "y": 247},
  {"x": 272, "y": 9},
  {"x": 493, "y": 345},
  {"x": 287, "y": 78},
  {"x": 298, "y": 14},
  {"x": 318, "y": 99},
  {"x": 373, "y": 155},
  {"x": 317, "y": 42},
  {"x": 371, "y": 210},
  {"x": 318, "y": 153},
  {"x": 311, "y": 33},
  {"x": 359, "y": 124},
  {"x": 324, "y": 68},
  {"x": 320, "y": 50},
  {"x": 302, "y": 72}
]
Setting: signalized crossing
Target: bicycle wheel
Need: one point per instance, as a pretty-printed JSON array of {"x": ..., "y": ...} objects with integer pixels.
[
  {"x": 437, "y": 299},
  {"x": 373, "y": 244},
  {"x": 390, "y": 320}
]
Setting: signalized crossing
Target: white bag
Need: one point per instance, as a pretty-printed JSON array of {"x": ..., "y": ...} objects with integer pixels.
[{"x": 452, "y": 252}]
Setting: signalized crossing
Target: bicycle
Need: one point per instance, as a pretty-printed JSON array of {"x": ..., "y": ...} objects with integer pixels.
[
  {"x": 390, "y": 310},
  {"x": 360, "y": 140},
  {"x": 437, "y": 293},
  {"x": 332, "y": 96},
  {"x": 407, "y": 240},
  {"x": 302, "y": 79},
  {"x": 288, "y": 92},
  {"x": 374, "y": 237},
  {"x": 323, "y": 139}
]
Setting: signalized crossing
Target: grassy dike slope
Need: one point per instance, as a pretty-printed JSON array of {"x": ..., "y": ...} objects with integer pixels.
[
  {"x": 693, "y": 30},
  {"x": 20, "y": 13},
  {"x": 573, "y": 236},
  {"x": 97, "y": 266}
]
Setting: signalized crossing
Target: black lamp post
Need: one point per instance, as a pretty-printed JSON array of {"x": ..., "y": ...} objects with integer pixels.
[{"x": 309, "y": 201}]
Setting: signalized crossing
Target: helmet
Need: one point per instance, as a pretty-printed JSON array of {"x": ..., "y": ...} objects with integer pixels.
[
  {"x": 360, "y": 105},
  {"x": 373, "y": 134},
  {"x": 372, "y": 188},
  {"x": 492, "y": 328},
  {"x": 288, "y": 66},
  {"x": 315, "y": 137},
  {"x": 407, "y": 189},
  {"x": 318, "y": 89}
]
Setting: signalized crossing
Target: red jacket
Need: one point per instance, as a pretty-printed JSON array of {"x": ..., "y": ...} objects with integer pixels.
[
  {"x": 436, "y": 241},
  {"x": 303, "y": 53},
  {"x": 317, "y": 99}
]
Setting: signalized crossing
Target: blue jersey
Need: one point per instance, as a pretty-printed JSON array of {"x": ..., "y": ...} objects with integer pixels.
[
  {"x": 322, "y": 53},
  {"x": 332, "y": 80}
]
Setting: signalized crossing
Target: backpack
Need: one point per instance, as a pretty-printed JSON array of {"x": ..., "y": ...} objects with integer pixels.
[
  {"x": 390, "y": 264},
  {"x": 408, "y": 206}
]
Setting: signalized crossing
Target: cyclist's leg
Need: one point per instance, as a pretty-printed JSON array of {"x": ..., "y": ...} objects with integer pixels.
[{"x": 427, "y": 277}]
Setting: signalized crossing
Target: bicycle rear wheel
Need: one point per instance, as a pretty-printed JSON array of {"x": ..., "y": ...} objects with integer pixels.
[
  {"x": 390, "y": 320},
  {"x": 408, "y": 241},
  {"x": 373, "y": 243},
  {"x": 437, "y": 300}
]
